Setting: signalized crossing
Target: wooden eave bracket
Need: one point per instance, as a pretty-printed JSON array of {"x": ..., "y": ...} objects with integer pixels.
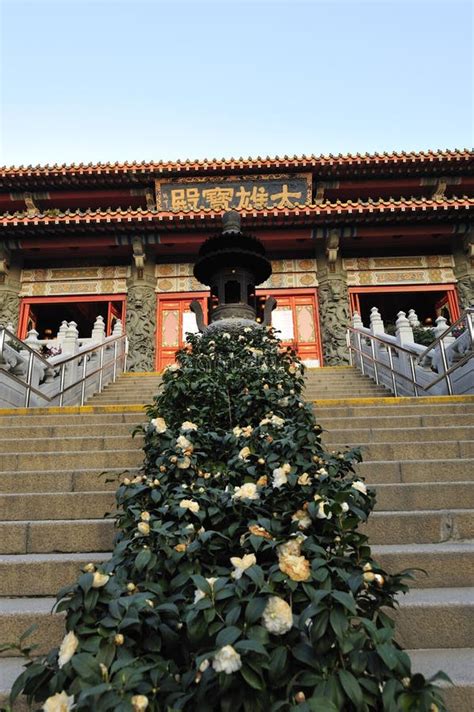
[
  {"x": 139, "y": 255},
  {"x": 332, "y": 248}
]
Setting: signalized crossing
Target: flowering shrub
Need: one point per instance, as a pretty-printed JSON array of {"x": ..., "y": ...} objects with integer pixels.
[{"x": 239, "y": 579}]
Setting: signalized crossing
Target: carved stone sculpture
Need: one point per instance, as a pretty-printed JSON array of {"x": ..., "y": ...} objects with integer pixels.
[
  {"x": 9, "y": 308},
  {"x": 465, "y": 287},
  {"x": 334, "y": 318},
  {"x": 141, "y": 327}
]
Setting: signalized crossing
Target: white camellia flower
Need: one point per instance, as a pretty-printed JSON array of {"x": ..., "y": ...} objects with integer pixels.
[
  {"x": 359, "y": 486},
  {"x": 60, "y": 702},
  {"x": 247, "y": 491},
  {"x": 241, "y": 564},
  {"x": 244, "y": 453},
  {"x": 199, "y": 595},
  {"x": 189, "y": 504},
  {"x": 345, "y": 507},
  {"x": 247, "y": 330},
  {"x": 302, "y": 518},
  {"x": 187, "y": 426},
  {"x": 159, "y": 424},
  {"x": 145, "y": 516},
  {"x": 67, "y": 648},
  {"x": 277, "y": 421},
  {"x": 183, "y": 443},
  {"x": 237, "y": 431},
  {"x": 99, "y": 579},
  {"x": 172, "y": 367},
  {"x": 139, "y": 703},
  {"x": 321, "y": 514},
  {"x": 227, "y": 660},
  {"x": 277, "y": 617},
  {"x": 247, "y": 431},
  {"x": 226, "y": 335},
  {"x": 280, "y": 476}
]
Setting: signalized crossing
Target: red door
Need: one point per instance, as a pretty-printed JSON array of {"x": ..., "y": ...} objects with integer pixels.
[
  {"x": 297, "y": 318},
  {"x": 174, "y": 319}
]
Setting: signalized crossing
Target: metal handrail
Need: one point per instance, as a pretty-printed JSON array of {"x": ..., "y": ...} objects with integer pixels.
[
  {"x": 470, "y": 326},
  {"x": 84, "y": 354},
  {"x": 412, "y": 355}
]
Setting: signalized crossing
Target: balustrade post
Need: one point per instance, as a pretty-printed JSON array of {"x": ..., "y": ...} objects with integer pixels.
[{"x": 98, "y": 331}]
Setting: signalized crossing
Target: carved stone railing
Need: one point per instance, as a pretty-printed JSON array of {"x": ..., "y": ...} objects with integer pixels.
[
  {"x": 79, "y": 368},
  {"x": 445, "y": 367}
]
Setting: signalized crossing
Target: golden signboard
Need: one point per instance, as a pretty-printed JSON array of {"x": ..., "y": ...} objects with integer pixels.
[{"x": 245, "y": 193}]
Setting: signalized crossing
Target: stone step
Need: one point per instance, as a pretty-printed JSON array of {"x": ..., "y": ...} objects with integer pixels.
[
  {"x": 93, "y": 504},
  {"x": 18, "y": 614},
  {"x": 110, "y": 443},
  {"x": 416, "y": 470},
  {"x": 39, "y": 461},
  {"x": 56, "y": 536},
  {"x": 435, "y": 618},
  {"x": 401, "y": 421},
  {"x": 408, "y": 451},
  {"x": 447, "y": 565},
  {"x": 419, "y": 526},
  {"x": 42, "y": 574},
  {"x": 70, "y": 419},
  {"x": 457, "y": 664},
  {"x": 35, "y": 536},
  {"x": 393, "y": 408},
  {"x": 82, "y": 480},
  {"x": 55, "y": 505},
  {"x": 401, "y": 435},
  {"x": 425, "y": 495},
  {"x": 66, "y": 431},
  {"x": 426, "y": 618}
]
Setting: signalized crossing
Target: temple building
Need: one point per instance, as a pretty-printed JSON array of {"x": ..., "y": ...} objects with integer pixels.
[{"x": 343, "y": 233}]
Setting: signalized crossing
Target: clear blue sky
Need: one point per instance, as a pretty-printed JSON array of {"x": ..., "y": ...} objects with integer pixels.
[{"x": 148, "y": 79}]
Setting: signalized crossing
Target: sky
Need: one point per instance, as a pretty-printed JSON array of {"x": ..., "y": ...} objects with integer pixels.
[{"x": 116, "y": 80}]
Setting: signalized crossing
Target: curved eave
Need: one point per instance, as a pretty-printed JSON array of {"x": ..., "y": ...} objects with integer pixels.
[
  {"x": 207, "y": 218},
  {"x": 324, "y": 166}
]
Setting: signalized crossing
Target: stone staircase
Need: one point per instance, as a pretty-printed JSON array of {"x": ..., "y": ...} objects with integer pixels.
[{"x": 419, "y": 453}]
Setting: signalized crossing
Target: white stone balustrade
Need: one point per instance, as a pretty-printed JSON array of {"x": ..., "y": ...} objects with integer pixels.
[
  {"x": 67, "y": 367},
  {"x": 383, "y": 349}
]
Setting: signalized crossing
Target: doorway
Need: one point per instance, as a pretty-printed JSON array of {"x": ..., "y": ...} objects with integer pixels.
[
  {"x": 45, "y": 314},
  {"x": 429, "y": 301}
]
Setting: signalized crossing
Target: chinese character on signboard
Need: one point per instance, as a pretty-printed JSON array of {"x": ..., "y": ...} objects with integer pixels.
[{"x": 248, "y": 193}]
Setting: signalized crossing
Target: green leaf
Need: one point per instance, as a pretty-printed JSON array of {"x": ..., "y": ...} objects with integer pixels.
[
  {"x": 388, "y": 654},
  {"x": 351, "y": 687},
  {"x": 346, "y": 600},
  {"x": 142, "y": 559},
  {"x": 278, "y": 662},
  {"x": 254, "y": 609},
  {"x": 228, "y": 636},
  {"x": 338, "y": 621},
  {"x": 321, "y": 704},
  {"x": 252, "y": 678}
]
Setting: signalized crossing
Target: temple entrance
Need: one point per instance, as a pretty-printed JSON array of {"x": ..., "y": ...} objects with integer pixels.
[
  {"x": 429, "y": 301},
  {"x": 174, "y": 320},
  {"x": 297, "y": 318},
  {"x": 45, "y": 314}
]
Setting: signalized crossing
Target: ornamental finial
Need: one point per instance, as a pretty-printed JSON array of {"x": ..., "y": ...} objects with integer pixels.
[{"x": 231, "y": 222}]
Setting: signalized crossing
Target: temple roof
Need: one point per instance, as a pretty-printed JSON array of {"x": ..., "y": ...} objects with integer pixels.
[
  {"x": 326, "y": 164},
  {"x": 303, "y": 214}
]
